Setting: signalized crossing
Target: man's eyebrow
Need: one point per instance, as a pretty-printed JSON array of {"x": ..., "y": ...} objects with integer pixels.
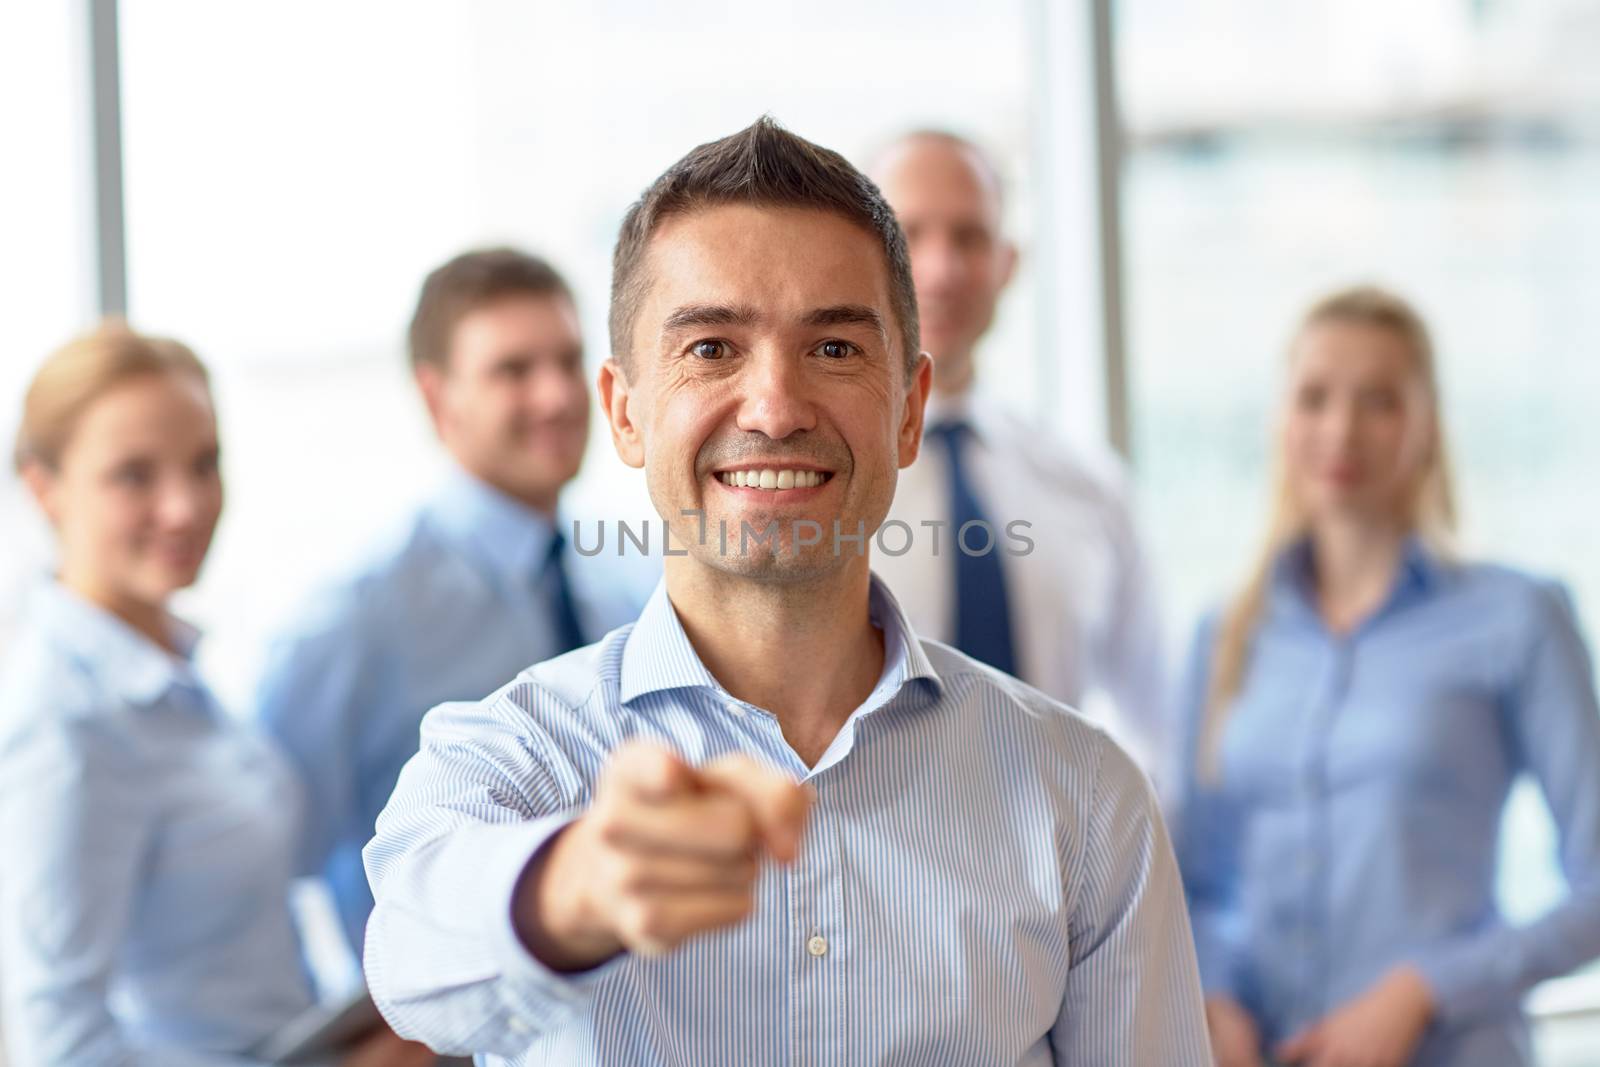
[
  {"x": 692, "y": 315},
  {"x": 846, "y": 315}
]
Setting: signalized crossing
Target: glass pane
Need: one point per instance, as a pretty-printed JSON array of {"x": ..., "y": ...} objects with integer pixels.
[
  {"x": 46, "y": 253},
  {"x": 1447, "y": 149}
]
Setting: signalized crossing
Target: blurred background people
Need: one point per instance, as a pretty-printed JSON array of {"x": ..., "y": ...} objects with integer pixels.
[
  {"x": 149, "y": 841},
  {"x": 1182, "y": 178},
  {"x": 1071, "y": 610},
  {"x": 478, "y": 584},
  {"x": 1356, "y": 715}
]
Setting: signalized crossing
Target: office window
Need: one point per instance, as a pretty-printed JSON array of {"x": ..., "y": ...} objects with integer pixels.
[
  {"x": 46, "y": 253},
  {"x": 1447, "y": 149},
  {"x": 294, "y": 169}
]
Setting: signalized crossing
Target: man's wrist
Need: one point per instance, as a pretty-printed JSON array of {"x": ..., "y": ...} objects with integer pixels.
[{"x": 550, "y": 912}]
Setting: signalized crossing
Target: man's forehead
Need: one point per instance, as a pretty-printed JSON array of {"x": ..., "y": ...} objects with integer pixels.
[
  {"x": 767, "y": 263},
  {"x": 754, "y": 316},
  {"x": 929, "y": 171}
]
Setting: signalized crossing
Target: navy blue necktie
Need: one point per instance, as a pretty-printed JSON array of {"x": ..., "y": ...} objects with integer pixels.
[
  {"x": 982, "y": 614},
  {"x": 563, "y": 609}
]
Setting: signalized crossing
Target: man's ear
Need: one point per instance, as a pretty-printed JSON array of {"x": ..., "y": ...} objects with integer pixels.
[
  {"x": 916, "y": 407},
  {"x": 615, "y": 394},
  {"x": 1010, "y": 254},
  {"x": 431, "y": 384}
]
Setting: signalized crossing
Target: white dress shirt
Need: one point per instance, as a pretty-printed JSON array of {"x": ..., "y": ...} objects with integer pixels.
[
  {"x": 1083, "y": 614},
  {"x": 984, "y": 879}
]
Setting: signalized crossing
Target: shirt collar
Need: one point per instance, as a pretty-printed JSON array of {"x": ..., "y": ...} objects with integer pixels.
[
  {"x": 1292, "y": 581},
  {"x": 125, "y": 660},
  {"x": 979, "y": 414},
  {"x": 503, "y": 533},
  {"x": 658, "y": 655}
]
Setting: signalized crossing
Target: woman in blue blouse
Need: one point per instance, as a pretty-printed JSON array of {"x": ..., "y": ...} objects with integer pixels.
[
  {"x": 1355, "y": 718},
  {"x": 146, "y": 840}
]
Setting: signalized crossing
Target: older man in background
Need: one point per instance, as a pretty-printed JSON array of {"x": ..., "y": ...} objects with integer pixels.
[{"x": 1072, "y": 613}]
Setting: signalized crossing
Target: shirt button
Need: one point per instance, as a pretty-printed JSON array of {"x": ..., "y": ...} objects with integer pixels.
[
  {"x": 516, "y": 1026},
  {"x": 735, "y": 709},
  {"x": 817, "y": 946}
]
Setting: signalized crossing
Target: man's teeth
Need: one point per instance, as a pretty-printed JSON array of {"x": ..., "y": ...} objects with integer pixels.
[{"x": 773, "y": 479}]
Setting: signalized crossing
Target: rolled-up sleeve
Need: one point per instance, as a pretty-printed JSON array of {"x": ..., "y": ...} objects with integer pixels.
[
  {"x": 471, "y": 810},
  {"x": 1133, "y": 990}
]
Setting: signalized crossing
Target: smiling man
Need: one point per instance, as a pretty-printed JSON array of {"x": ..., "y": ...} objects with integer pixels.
[{"x": 766, "y": 823}]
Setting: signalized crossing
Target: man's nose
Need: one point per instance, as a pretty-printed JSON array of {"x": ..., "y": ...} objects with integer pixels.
[
  {"x": 775, "y": 401},
  {"x": 554, "y": 392},
  {"x": 936, "y": 266}
]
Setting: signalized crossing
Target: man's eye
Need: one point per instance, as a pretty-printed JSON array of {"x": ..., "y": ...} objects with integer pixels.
[
  {"x": 709, "y": 349},
  {"x": 835, "y": 349}
]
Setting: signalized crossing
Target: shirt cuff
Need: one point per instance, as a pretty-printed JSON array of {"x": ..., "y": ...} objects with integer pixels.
[
  {"x": 1218, "y": 958},
  {"x": 1469, "y": 979},
  {"x": 538, "y": 996}
]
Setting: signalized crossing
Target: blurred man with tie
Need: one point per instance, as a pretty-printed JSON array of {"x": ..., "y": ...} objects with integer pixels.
[
  {"x": 474, "y": 586},
  {"x": 1073, "y": 614}
]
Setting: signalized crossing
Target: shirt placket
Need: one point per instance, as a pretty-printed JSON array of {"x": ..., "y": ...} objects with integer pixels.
[
  {"x": 1317, "y": 830},
  {"x": 819, "y": 943}
]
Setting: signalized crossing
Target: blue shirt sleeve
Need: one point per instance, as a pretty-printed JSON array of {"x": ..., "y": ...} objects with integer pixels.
[
  {"x": 314, "y": 699},
  {"x": 1133, "y": 992},
  {"x": 443, "y": 960},
  {"x": 1554, "y": 726}
]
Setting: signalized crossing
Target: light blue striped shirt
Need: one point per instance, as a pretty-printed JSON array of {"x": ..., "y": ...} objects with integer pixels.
[
  {"x": 988, "y": 875},
  {"x": 146, "y": 851},
  {"x": 1354, "y": 820},
  {"x": 449, "y": 606}
]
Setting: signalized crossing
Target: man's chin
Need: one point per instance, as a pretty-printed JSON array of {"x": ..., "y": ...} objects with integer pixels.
[
  {"x": 537, "y": 482},
  {"x": 783, "y": 567}
]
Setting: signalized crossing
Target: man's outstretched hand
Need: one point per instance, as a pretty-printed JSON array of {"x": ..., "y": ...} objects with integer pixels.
[{"x": 666, "y": 851}]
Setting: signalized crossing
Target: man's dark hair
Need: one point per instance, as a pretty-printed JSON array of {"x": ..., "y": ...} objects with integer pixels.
[
  {"x": 468, "y": 282},
  {"x": 766, "y": 165}
]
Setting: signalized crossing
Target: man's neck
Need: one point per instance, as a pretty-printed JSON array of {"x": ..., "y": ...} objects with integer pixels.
[
  {"x": 544, "y": 504},
  {"x": 807, "y": 651},
  {"x": 955, "y": 385}
]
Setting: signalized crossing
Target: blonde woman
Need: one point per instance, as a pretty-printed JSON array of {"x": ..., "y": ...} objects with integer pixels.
[
  {"x": 147, "y": 840},
  {"x": 1356, "y": 716}
]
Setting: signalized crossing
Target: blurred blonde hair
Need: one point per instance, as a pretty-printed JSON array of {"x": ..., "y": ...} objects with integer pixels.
[
  {"x": 1430, "y": 506},
  {"x": 79, "y": 373}
]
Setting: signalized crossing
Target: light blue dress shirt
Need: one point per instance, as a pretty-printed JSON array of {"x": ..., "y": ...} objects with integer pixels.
[
  {"x": 146, "y": 850},
  {"x": 985, "y": 878},
  {"x": 1353, "y": 823},
  {"x": 448, "y": 607}
]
